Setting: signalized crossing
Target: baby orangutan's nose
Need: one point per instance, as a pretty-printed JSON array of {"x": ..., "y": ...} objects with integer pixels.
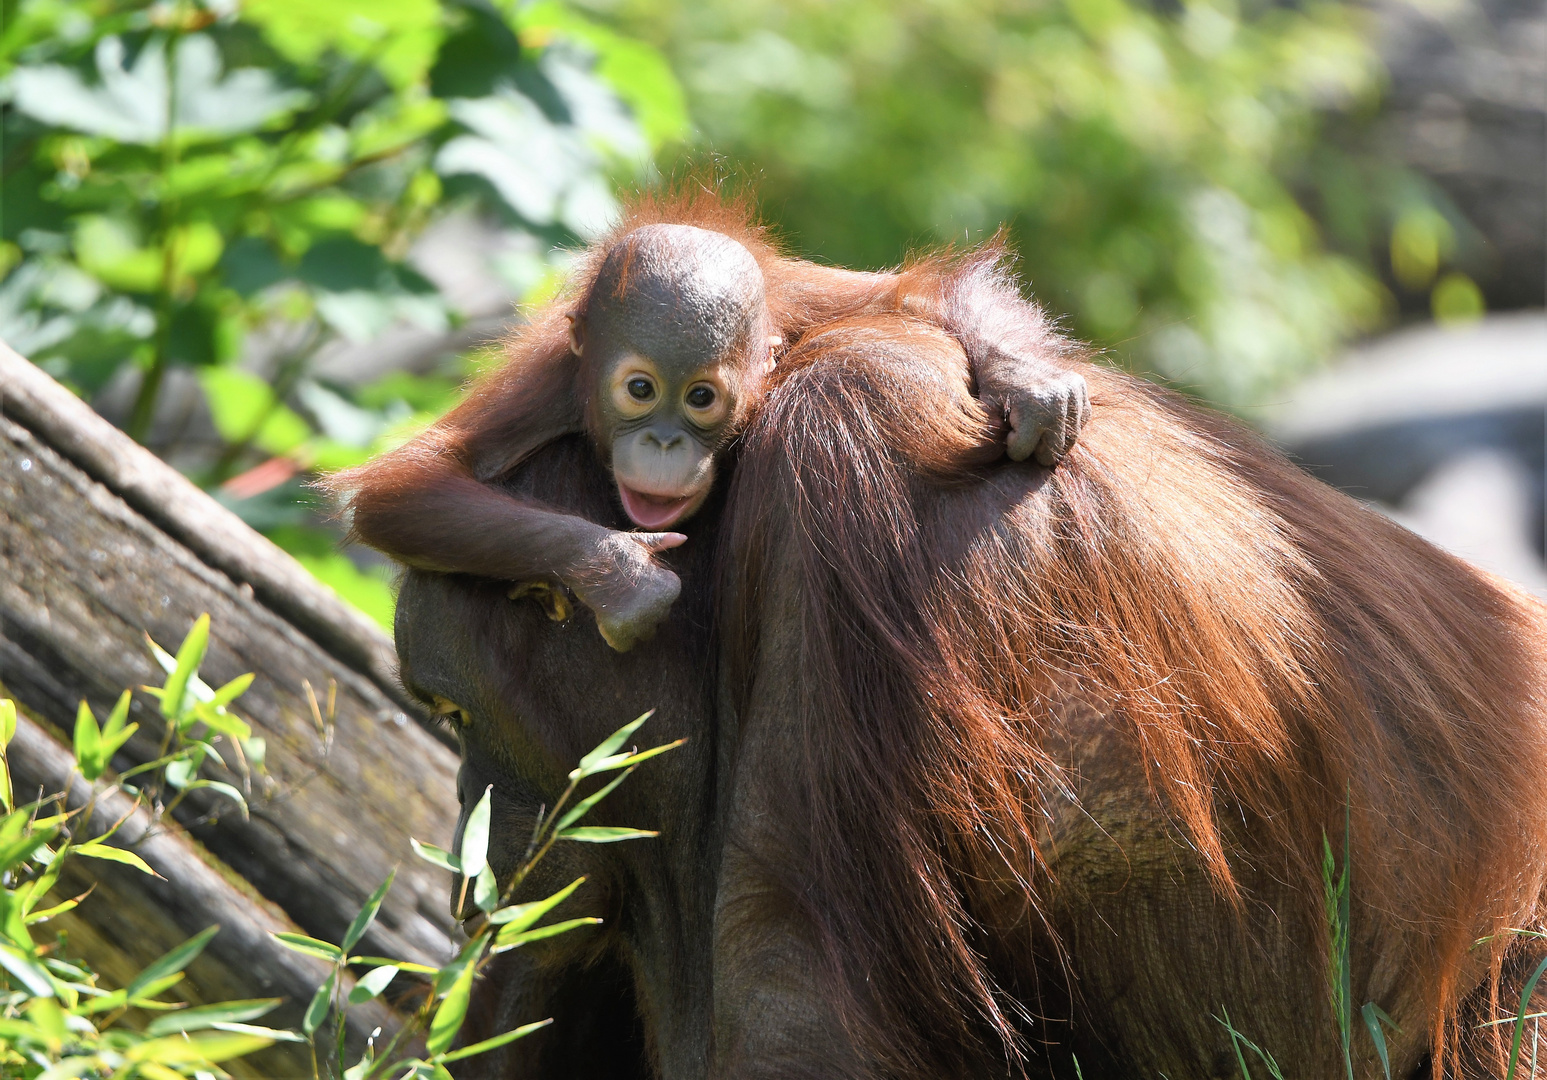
[{"x": 664, "y": 443}]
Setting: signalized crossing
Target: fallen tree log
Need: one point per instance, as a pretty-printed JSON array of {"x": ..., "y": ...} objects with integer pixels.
[{"x": 100, "y": 544}]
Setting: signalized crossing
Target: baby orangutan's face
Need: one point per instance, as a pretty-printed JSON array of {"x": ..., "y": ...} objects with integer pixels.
[
  {"x": 667, "y": 423},
  {"x": 675, "y": 330}
]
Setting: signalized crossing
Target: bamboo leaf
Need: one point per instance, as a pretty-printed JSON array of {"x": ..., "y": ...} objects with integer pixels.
[
  {"x": 114, "y": 854},
  {"x": 88, "y": 742},
  {"x": 173, "y": 961},
  {"x": 226, "y": 1012},
  {"x": 372, "y": 983},
  {"x": 584, "y": 806},
  {"x": 310, "y": 946},
  {"x": 27, "y": 970},
  {"x": 225, "y": 789},
  {"x": 382, "y": 961},
  {"x": 486, "y": 891},
  {"x": 492, "y": 1044},
  {"x": 116, "y": 718},
  {"x": 599, "y": 834},
  {"x": 473, "y": 852},
  {"x": 192, "y": 1049},
  {"x": 601, "y": 759},
  {"x": 317, "y": 1011},
  {"x": 519, "y": 917},
  {"x": 367, "y": 914},
  {"x": 174, "y": 699},
  {"x": 436, "y": 856},
  {"x": 231, "y": 691},
  {"x": 505, "y": 942},
  {"x": 452, "y": 1011}
]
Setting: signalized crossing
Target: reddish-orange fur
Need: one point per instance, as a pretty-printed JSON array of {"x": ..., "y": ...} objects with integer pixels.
[{"x": 1275, "y": 652}]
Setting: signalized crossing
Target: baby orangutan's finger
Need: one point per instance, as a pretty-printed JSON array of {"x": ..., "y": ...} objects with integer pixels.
[{"x": 654, "y": 542}]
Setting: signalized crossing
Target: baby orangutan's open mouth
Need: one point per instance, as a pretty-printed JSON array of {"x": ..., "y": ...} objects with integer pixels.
[{"x": 657, "y": 512}]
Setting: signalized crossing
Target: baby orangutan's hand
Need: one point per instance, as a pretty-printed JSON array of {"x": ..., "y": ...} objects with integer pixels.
[
  {"x": 1044, "y": 405},
  {"x": 629, "y": 592}
]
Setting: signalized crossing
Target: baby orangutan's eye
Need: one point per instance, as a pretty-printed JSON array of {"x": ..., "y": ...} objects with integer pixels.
[
  {"x": 640, "y": 388},
  {"x": 700, "y": 397}
]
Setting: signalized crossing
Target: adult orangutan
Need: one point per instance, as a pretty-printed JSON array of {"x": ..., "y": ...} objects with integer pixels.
[
  {"x": 995, "y": 766},
  {"x": 658, "y": 352},
  {"x": 1038, "y": 764}
]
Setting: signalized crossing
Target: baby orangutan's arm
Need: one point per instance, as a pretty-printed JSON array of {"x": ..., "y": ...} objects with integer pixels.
[
  {"x": 1019, "y": 364},
  {"x": 432, "y": 504}
]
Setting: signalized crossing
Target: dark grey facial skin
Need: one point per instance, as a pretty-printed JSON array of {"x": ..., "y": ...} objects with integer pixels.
[{"x": 676, "y": 331}]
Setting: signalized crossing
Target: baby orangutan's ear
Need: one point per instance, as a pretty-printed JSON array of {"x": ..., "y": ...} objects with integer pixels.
[
  {"x": 551, "y": 597},
  {"x": 576, "y": 334},
  {"x": 774, "y": 343}
]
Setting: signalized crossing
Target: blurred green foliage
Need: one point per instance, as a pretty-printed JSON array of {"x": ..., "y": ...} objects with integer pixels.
[
  {"x": 184, "y": 177},
  {"x": 1164, "y": 169}
]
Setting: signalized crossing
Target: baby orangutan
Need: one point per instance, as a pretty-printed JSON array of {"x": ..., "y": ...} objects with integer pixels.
[{"x": 660, "y": 360}]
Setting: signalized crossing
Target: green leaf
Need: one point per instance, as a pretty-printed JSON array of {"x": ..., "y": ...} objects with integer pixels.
[
  {"x": 1374, "y": 1016},
  {"x": 96, "y": 850},
  {"x": 310, "y": 946},
  {"x": 117, "y": 718},
  {"x": 507, "y": 941},
  {"x": 180, "y": 773},
  {"x": 372, "y": 983},
  {"x": 27, "y": 970},
  {"x": 436, "y": 856},
  {"x": 225, "y": 789},
  {"x": 222, "y": 721},
  {"x": 486, "y": 891},
  {"x": 193, "y": 1049},
  {"x": 492, "y": 1044},
  {"x": 382, "y": 961},
  {"x": 367, "y": 914},
  {"x": 174, "y": 961},
  {"x": 231, "y": 691},
  {"x": 277, "y": 1034},
  {"x": 7, "y": 732},
  {"x": 599, "y": 834},
  {"x": 317, "y": 1011},
  {"x": 88, "y": 742},
  {"x": 226, "y": 1012},
  {"x": 584, "y": 806},
  {"x": 24, "y": 848},
  {"x": 174, "y": 699},
  {"x": 474, "y": 850},
  {"x": 597, "y": 760},
  {"x": 519, "y": 917},
  {"x": 1520, "y": 1017},
  {"x": 155, "y": 988},
  {"x": 452, "y": 1011}
]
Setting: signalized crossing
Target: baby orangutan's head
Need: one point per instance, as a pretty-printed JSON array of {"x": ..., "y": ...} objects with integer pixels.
[{"x": 675, "y": 334}]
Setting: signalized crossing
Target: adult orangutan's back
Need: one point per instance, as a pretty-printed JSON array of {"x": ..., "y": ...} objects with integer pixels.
[{"x": 1036, "y": 764}]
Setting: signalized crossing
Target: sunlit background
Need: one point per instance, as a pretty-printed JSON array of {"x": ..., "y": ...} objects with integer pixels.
[{"x": 274, "y": 237}]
